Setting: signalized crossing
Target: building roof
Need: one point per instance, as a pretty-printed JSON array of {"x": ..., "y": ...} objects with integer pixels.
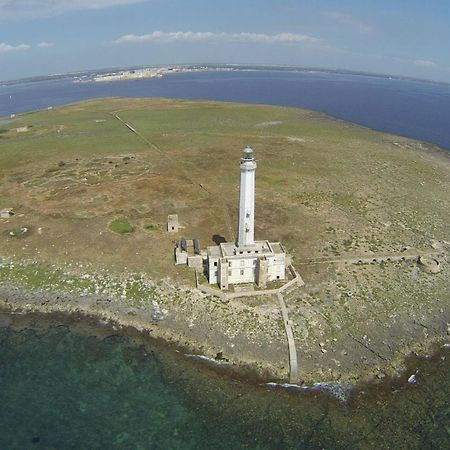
[
  {"x": 277, "y": 247},
  {"x": 231, "y": 250},
  {"x": 214, "y": 251}
]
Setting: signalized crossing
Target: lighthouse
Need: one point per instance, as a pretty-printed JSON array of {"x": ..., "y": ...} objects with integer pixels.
[
  {"x": 246, "y": 227},
  {"x": 246, "y": 260}
]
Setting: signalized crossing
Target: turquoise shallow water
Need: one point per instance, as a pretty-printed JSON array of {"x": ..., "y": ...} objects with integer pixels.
[{"x": 63, "y": 388}]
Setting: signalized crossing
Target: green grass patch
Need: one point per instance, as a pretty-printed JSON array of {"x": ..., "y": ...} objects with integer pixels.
[
  {"x": 151, "y": 226},
  {"x": 121, "y": 226},
  {"x": 36, "y": 276}
]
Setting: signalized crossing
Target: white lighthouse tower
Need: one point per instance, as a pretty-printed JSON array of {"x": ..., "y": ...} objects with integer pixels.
[
  {"x": 246, "y": 260},
  {"x": 246, "y": 230}
]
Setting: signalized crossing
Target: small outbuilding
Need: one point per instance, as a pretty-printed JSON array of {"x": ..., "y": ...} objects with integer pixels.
[
  {"x": 6, "y": 213},
  {"x": 172, "y": 223},
  {"x": 186, "y": 252}
]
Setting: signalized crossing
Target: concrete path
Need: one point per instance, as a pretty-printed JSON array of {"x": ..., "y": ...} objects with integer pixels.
[{"x": 293, "y": 363}]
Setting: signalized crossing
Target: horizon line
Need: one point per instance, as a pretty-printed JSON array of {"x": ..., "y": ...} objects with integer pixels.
[{"x": 255, "y": 66}]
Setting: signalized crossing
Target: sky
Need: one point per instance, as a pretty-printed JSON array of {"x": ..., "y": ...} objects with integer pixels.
[{"x": 396, "y": 37}]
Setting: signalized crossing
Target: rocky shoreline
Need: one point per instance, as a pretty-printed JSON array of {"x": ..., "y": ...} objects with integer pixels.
[
  {"x": 258, "y": 358},
  {"x": 119, "y": 318}
]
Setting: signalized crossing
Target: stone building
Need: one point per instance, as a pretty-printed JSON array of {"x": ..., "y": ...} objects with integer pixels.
[
  {"x": 246, "y": 260},
  {"x": 172, "y": 223},
  {"x": 187, "y": 251},
  {"x": 6, "y": 213}
]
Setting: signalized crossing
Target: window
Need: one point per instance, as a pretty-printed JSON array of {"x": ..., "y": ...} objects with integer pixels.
[
  {"x": 215, "y": 273},
  {"x": 229, "y": 273},
  {"x": 242, "y": 271},
  {"x": 215, "y": 263}
]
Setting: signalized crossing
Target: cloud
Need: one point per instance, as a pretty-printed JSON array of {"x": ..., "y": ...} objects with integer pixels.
[
  {"x": 424, "y": 63},
  {"x": 7, "y": 48},
  {"x": 46, "y": 44},
  {"x": 43, "y": 8},
  {"x": 348, "y": 20},
  {"x": 207, "y": 36}
]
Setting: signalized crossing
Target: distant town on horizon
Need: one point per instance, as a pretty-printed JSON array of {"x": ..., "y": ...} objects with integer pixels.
[{"x": 215, "y": 66}]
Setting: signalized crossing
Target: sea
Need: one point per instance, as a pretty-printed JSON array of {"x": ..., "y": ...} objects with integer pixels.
[
  {"x": 75, "y": 383},
  {"x": 416, "y": 109},
  {"x": 69, "y": 382}
]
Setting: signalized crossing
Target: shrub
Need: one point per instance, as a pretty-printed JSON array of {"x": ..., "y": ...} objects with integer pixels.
[
  {"x": 151, "y": 226},
  {"x": 121, "y": 226}
]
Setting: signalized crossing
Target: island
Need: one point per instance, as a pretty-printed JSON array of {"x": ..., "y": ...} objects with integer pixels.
[{"x": 96, "y": 197}]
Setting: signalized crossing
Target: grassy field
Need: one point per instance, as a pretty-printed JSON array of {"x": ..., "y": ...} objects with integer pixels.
[
  {"x": 90, "y": 196},
  {"x": 324, "y": 187}
]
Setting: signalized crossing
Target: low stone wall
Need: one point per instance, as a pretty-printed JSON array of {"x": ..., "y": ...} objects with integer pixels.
[
  {"x": 296, "y": 281},
  {"x": 232, "y": 295},
  {"x": 372, "y": 259},
  {"x": 211, "y": 291},
  {"x": 380, "y": 259}
]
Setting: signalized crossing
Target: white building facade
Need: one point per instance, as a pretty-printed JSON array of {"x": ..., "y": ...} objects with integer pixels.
[{"x": 246, "y": 260}]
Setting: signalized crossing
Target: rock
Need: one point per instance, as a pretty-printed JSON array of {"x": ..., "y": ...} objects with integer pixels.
[
  {"x": 437, "y": 245},
  {"x": 413, "y": 378}
]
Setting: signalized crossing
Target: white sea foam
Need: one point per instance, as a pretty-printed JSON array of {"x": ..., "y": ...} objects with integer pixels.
[{"x": 341, "y": 391}]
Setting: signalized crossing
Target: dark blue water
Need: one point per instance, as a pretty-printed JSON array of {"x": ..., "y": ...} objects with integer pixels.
[{"x": 419, "y": 110}]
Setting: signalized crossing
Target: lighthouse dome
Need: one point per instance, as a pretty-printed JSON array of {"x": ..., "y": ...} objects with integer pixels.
[{"x": 248, "y": 153}]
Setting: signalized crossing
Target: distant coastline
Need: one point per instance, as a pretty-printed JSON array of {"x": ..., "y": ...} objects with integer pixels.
[
  {"x": 404, "y": 107},
  {"x": 176, "y": 68}
]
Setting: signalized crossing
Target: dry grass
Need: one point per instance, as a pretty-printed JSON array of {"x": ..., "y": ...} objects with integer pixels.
[{"x": 324, "y": 187}]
